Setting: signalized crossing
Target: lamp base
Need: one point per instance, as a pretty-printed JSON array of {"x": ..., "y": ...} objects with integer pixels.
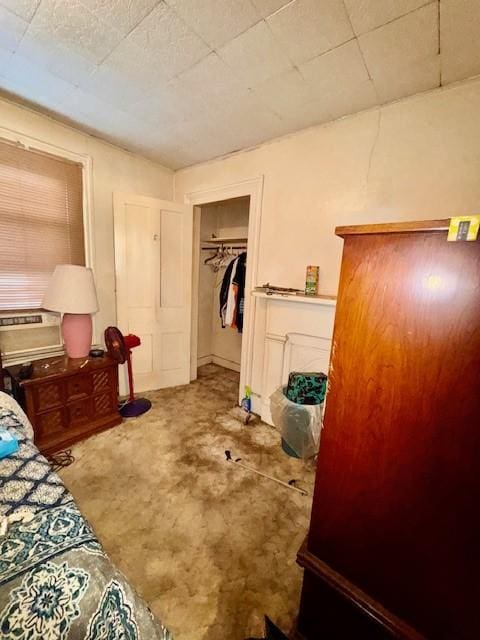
[{"x": 77, "y": 334}]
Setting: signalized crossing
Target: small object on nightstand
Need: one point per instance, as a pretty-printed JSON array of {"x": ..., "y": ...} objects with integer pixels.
[
  {"x": 26, "y": 371},
  {"x": 96, "y": 353}
]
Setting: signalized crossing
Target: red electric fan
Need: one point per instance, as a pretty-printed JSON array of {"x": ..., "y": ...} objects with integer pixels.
[{"x": 119, "y": 348}]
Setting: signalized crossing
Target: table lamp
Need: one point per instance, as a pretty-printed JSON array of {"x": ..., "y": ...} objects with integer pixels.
[{"x": 71, "y": 291}]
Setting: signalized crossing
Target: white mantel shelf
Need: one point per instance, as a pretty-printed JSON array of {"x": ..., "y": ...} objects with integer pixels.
[{"x": 329, "y": 301}]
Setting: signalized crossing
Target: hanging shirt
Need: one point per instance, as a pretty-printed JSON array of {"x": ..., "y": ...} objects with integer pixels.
[
  {"x": 232, "y": 297},
  {"x": 239, "y": 282},
  {"x": 232, "y": 293},
  {"x": 224, "y": 290}
]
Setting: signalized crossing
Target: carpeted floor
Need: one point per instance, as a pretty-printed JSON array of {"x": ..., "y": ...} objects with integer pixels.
[{"x": 210, "y": 546}]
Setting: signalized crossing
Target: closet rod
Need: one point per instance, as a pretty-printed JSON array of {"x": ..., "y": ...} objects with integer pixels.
[{"x": 229, "y": 246}]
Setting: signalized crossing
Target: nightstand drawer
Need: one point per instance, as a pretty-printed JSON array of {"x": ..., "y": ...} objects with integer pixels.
[
  {"x": 79, "y": 412},
  {"x": 47, "y": 396},
  {"x": 79, "y": 386},
  {"x": 103, "y": 404},
  {"x": 49, "y": 424},
  {"x": 103, "y": 379}
]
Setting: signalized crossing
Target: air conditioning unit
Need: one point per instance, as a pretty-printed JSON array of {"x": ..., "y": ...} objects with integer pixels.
[{"x": 28, "y": 335}]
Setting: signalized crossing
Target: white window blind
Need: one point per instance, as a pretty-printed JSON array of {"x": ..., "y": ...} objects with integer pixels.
[{"x": 41, "y": 223}]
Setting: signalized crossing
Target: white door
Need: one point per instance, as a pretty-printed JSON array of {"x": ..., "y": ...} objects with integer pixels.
[{"x": 153, "y": 267}]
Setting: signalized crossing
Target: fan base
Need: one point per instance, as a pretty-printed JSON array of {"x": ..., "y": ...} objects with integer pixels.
[{"x": 135, "y": 408}]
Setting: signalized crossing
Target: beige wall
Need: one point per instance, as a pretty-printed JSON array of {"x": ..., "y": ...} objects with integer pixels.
[
  {"x": 113, "y": 170},
  {"x": 415, "y": 159}
]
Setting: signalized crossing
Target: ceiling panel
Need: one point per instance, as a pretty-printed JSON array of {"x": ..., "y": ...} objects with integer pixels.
[
  {"x": 88, "y": 109},
  {"x": 216, "y": 21},
  {"x": 404, "y": 53},
  {"x": 267, "y": 7},
  {"x": 284, "y": 94},
  {"x": 172, "y": 156},
  {"x": 116, "y": 86},
  {"x": 307, "y": 28},
  {"x": 255, "y": 56},
  {"x": 183, "y": 143},
  {"x": 402, "y": 42},
  {"x": 74, "y": 26},
  {"x": 185, "y": 80},
  {"x": 23, "y": 8},
  {"x": 124, "y": 16},
  {"x": 5, "y": 57},
  {"x": 459, "y": 32},
  {"x": 166, "y": 43},
  {"x": 370, "y": 14},
  {"x": 212, "y": 80},
  {"x": 170, "y": 105},
  {"x": 344, "y": 100},
  {"x": 213, "y": 145},
  {"x": 306, "y": 115},
  {"x": 136, "y": 69},
  {"x": 12, "y": 29},
  {"x": 42, "y": 86},
  {"x": 408, "y": 80},
  {"x": 341, "y": 66},
  {"x": 55, "y": 57},
  {"x": 245, "y": 122},
  {"x": 341, "y": 80}
]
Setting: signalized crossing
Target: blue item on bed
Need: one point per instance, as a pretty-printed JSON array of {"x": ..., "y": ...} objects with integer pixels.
[{"x": 8, "y": 443}]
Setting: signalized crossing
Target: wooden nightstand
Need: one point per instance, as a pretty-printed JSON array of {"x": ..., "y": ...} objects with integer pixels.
[{"x": 68, "y": 400}]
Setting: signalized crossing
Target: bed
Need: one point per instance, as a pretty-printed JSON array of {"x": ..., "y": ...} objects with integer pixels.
[{"x": 56, "y": 582}]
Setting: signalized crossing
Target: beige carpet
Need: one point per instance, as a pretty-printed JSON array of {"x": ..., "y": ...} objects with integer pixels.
[{"x": 209, "y": 546}]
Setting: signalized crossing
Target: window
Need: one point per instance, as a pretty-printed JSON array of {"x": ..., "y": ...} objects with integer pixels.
[{"x": 41, "y": 222}]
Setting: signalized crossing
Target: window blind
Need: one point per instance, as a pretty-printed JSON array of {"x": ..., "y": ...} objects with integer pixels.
[{"x": 41, "y": 223}]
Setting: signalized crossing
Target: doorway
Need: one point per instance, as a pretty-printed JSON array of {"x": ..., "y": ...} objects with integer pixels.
[
  {"x": 247, "y": 191},
  {"x": 222, "y": 263}
]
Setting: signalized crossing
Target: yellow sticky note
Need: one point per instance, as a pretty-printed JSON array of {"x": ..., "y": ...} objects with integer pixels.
[{"x": 463, "y": 228}]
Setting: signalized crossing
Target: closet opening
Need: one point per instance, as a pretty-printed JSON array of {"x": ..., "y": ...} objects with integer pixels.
[{"x": 221, "y": 258}]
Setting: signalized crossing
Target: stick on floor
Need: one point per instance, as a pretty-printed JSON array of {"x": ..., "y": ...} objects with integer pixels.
[{"x": 229, "y": 458}]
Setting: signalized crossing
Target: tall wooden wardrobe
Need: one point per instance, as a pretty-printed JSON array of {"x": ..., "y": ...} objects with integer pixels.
[{"x": 394, "y": 543}]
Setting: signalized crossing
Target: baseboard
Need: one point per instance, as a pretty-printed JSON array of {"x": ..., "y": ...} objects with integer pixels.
[
  {"x": 228, "y": 364},
  {"x": 204, "y": 360}
]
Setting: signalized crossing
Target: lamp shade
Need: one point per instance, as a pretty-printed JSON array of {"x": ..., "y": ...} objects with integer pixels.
[{"x": 71, "y": 290}]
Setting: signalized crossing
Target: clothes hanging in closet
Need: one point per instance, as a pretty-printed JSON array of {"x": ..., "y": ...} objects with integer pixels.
[{"x": 232, "y": 293}]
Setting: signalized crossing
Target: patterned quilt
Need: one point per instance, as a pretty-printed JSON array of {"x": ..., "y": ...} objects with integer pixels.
[{"x": 56, "y": 582}]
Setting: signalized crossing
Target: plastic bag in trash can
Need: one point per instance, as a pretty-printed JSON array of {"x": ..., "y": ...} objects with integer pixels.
[{"x": 299, "y": 424}]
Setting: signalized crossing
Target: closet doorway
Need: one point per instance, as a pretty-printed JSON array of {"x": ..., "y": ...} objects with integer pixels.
[
  {"x": 244, "y": 201},
  {"x": 222, "y": 257}
]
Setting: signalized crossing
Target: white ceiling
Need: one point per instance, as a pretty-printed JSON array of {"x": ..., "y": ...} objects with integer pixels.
[{"x": 181, "y": 81}]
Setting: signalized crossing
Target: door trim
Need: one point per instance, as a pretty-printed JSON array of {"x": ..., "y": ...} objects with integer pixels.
[{"x": 253, "y": 188}]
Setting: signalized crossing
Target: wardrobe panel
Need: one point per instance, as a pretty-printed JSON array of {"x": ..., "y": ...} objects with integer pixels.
[{"x": 397, "y": 486}]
